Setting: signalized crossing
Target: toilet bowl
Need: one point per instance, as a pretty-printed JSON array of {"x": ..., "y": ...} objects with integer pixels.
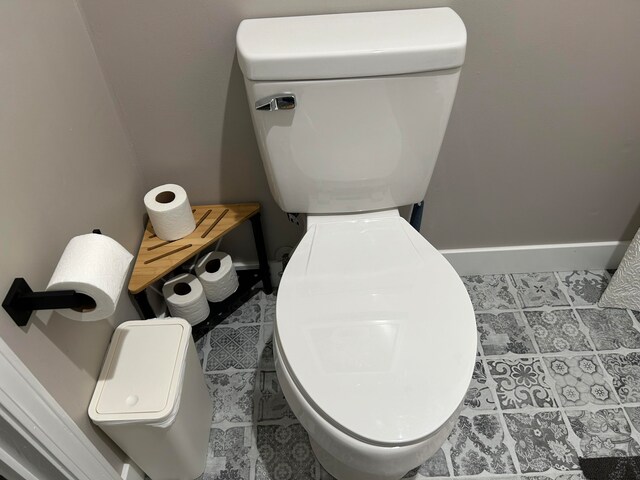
[{"x": 375, "y": 344}]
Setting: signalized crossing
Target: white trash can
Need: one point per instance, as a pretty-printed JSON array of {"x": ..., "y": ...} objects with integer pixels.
[{"x": 152, "y": 400}]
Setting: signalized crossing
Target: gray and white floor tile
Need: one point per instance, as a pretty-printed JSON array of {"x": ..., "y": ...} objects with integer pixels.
[
  {"x": 233, "y": 347},
  {"x": 436, "y": 466},
  {"x": 284, "y": 453},
  {"x": 503, "y": 333},
  {"x": 228, "y": 456},
  {"x": 249, "y": 313},
  {"x": 603, "y": 433},
  {"x": 232, "y": 396},
  {"x": 271, "y": 402},
  {"x": 585, "y": 287},
  {"x": 269, "y": 308},
  {"x": 489, "y": 292},
  {"x": 610, "y": 328},
  {"x": 539, "y": 289},
  {"x": 634, "y": 416},
  {"x": 579, "y": 381},
  {"x": 625, "y": 370},
  {"x": 477, "y": 446},
  {"x": 542, "y": 441},
  {"x": 479, "y": 396},
  {"x": 557, "y": 331},
  {"x": 521, "y": 383}
]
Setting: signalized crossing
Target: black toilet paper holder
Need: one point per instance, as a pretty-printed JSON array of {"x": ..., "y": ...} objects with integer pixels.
[{"x": 21, "y": 301}]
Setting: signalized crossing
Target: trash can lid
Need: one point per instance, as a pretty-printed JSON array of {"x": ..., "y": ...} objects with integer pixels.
[{"x": 141, "y": 378}]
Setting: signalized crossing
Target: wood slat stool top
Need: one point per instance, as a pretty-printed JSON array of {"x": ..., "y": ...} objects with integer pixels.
[{"x": 158, "y": 257}]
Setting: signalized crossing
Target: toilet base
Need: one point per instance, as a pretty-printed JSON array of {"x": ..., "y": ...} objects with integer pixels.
[{"x": 341, "y": 470}]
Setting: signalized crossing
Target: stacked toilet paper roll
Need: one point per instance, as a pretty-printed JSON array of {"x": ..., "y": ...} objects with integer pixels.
[
  {"x": 94, "y": 265},
  {"x": 170, "y": 212},
  {"x": 185, "y": 298},
  {"x": 218, "y": 276}
]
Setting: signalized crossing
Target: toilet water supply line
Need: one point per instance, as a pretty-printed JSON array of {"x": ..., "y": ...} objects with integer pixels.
[{"x": 416, "y": 215}]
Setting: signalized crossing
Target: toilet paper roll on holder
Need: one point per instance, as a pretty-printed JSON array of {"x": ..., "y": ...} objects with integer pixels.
[{"x": 21, "y": 301}]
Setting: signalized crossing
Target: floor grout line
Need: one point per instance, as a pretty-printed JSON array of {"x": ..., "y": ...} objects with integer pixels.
[
  {"x": 446, "y": 449},
  {"x": 509, "y": 442},
  {"x": 513, "y": 288}
]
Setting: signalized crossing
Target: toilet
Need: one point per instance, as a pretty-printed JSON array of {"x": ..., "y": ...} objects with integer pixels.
[{"x": 375, "y": 335}]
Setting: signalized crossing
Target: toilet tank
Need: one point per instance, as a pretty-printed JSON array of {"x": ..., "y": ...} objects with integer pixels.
[{"x": 350, "y": 110}]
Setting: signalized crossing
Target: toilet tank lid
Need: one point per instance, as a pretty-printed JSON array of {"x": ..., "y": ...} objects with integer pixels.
[{"x": 351, "y": 45}]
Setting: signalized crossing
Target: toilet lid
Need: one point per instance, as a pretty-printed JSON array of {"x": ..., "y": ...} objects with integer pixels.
[{"x": 376, "y": 329}]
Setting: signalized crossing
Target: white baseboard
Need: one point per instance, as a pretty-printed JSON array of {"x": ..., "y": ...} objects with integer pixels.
[
  {"x": 131, "y": 471},
  {"x": 558, "y": 257},
  {"x": 537, "y": 258}
]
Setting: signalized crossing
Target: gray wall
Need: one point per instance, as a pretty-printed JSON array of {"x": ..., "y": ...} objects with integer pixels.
[
  {"x": 542, "y": 146},
  {"x": 66, "y": 167}
]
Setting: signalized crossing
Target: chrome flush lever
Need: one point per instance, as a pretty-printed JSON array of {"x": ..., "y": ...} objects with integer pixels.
[{"x": 280, "y": 101}]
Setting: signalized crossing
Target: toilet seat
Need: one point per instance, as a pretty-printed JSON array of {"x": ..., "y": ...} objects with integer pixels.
[{"x": 375, "y": 328}]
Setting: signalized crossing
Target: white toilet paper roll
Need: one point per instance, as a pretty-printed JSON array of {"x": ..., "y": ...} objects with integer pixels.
[
  {"x": 185, "y": 298},
  {"x": 94, "y": 265},
  {"x": 170, "y": 212},
  {"x": 218, "y": 276}
]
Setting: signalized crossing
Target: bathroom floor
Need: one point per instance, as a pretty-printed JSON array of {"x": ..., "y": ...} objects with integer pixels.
[{"x": 555, "y": 378}]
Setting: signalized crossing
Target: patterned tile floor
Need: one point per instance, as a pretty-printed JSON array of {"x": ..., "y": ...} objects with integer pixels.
[{"x": 556, "y": 378}]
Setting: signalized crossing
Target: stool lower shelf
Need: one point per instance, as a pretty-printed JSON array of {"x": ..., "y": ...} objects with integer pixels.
[
  {"x": 219, "y": 311},
  {"x": 247, "y": 280}
]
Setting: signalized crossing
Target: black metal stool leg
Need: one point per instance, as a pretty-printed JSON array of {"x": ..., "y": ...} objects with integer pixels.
[
  {"x": 258, "y": 237},
  {"x": 143, "y": 305}
]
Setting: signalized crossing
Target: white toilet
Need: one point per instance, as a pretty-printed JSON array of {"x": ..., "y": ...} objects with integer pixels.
[{"x": 375, "y": 335}]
